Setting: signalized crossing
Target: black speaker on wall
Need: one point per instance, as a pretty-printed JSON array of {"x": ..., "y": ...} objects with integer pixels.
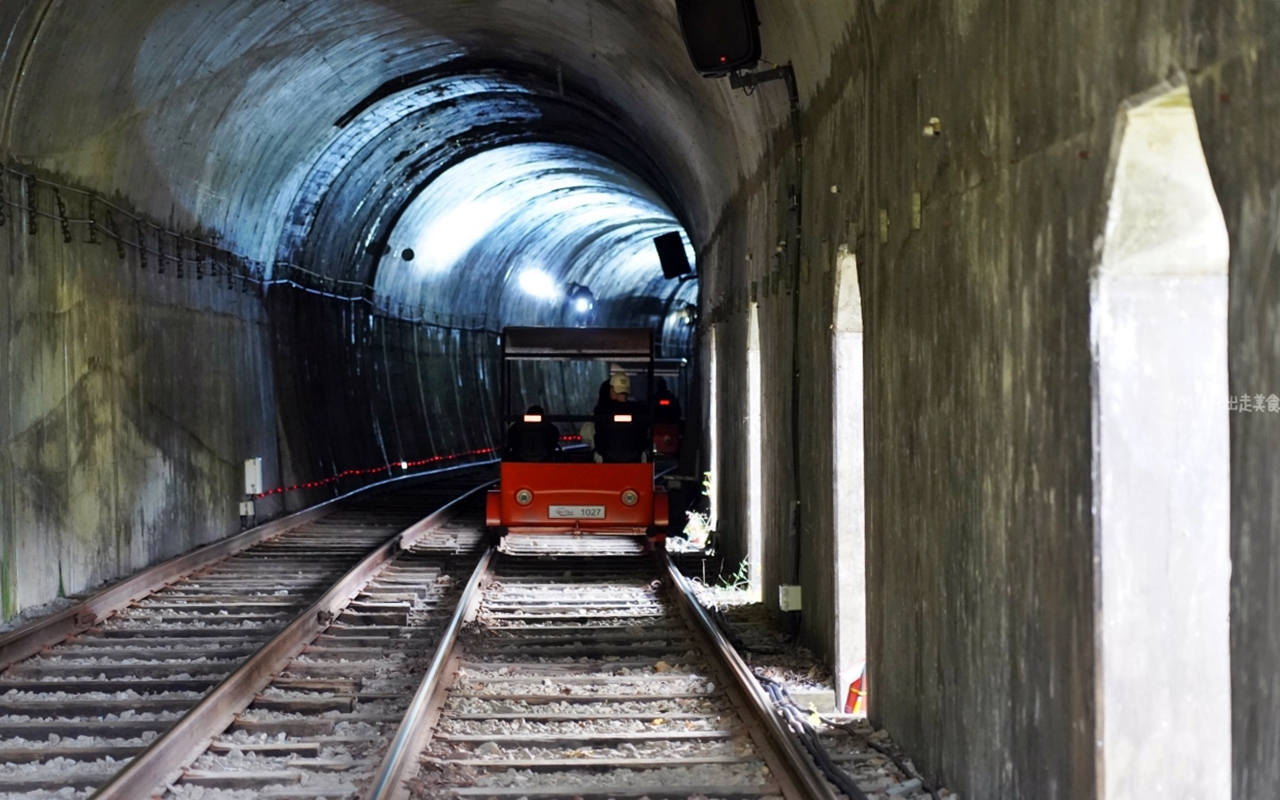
[
  {"x": 722, "y": 35},
  {"x": 671, "y": 253}
]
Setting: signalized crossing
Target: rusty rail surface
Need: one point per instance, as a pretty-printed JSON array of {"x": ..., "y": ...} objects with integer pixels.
[
  {"x": 790, "y": 763},
  {"x": 30, "y": 639},
  {"x": 164, "y": 760}
]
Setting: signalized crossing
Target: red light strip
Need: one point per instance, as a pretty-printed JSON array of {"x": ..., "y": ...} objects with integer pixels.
[
  {"x": 405, "y": 465},
  {"x": 373, "y": 470}
]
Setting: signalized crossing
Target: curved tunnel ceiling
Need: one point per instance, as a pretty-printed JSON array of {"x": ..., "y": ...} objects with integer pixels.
[
  {"x": 300, "y": 131},
  {"x": 513, "y": 233},
  {"x": 387, "y": 152}
]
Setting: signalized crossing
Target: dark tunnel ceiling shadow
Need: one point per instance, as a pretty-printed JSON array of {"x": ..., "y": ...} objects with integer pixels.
[{"x": 509, "y": 233}]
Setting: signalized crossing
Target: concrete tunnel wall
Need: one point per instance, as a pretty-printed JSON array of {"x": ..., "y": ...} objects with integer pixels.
[
  {"x": 978, "y": 396},
  {"x": 128, "y": 402},
  {"x": 130, "y": 396}
]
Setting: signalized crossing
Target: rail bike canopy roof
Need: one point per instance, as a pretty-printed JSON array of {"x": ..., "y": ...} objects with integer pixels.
[
  {"x": 662, "y": 367},
  {"x": 575, "y": 344}
]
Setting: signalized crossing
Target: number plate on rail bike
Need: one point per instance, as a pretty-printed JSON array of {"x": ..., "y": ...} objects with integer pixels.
[{"x": 575, "y": 512}]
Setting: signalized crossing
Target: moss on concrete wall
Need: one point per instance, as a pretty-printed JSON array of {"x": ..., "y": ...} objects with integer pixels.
[
  {"x": 131, "y": 398},
  {"x": 1233, "y": 61}
]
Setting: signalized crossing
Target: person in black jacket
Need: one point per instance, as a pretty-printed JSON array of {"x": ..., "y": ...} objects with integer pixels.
[
  {"x": 532, "y": 438},
  {"x": 667, "y": 407},
  {"x": 621, "y": 424}
]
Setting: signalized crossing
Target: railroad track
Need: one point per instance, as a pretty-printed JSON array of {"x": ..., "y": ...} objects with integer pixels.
[
  {"x": 318, "y": 729},
  {"x": 579, "y": 677},
  {"x": 589, "y": 679},
  {"x": 585, "y": 678},
  {"x": 140, "y": 656}
]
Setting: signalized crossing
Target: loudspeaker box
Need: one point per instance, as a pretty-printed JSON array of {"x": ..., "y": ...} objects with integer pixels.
[
  {"x": 671, "y": 253},
  {"x": 722, "y": 35}
]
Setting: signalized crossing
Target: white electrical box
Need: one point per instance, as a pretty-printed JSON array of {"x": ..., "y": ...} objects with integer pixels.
[
  {"x": 789, "y": 598},
  {"x": 253, "y": 476},
  {"x": 246, "y": 508}
]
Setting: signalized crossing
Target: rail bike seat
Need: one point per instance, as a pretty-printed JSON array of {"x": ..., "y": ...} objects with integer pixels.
[
  {"x": 532, "y": 441},
  {"x": 622, "y": 438}
]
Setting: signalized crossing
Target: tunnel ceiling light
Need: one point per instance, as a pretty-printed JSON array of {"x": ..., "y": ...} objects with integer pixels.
[
  {"x": 687, "y": 314},
  {"x": 537, "y": 283},
  {"x": 532, "y": 217},
  {"x": 580, "y": 299}
]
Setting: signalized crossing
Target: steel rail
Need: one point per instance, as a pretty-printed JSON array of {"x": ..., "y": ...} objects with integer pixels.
[
  {"x": 796, "y": 774},
  {"x": 30, "y": 639},
  {"x": 165, "y": 759},
  {"x": 399, "y": 764}
]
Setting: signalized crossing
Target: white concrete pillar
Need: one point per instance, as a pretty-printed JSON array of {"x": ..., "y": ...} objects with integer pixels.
[
  {"x": 1161, "y": 468},
  {"x": 713, "y": 430},
  {"x": 850, "y": 562},
  {"x": 755, "y": 455}
]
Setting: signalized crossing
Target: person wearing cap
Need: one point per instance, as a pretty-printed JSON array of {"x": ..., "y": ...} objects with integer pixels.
[
  {"x": 621, "y": 424},
  {"x": 614, "y": 396},
  {"x": 619, "y": 387}
]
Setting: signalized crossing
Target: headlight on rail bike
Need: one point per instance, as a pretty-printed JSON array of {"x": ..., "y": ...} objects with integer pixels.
[
  {"x": 630, "y": 497},
  {"x": 524, "y": 497}
]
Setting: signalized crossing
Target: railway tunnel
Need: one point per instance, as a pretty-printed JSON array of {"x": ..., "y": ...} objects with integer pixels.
[{"x": 982, "y": 326}]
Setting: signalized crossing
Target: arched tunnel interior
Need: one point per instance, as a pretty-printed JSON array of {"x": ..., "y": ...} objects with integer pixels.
[{"x": 294, "y": 230}]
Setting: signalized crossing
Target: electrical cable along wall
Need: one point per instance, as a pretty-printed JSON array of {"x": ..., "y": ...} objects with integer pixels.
[{"x": 136, "y": 381}]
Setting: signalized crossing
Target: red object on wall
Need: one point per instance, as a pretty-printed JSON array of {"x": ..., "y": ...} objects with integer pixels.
[{"x": 856, "y": 702}]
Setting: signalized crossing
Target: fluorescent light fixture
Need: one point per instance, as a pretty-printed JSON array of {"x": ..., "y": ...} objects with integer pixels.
[
  {"x": 537, "y": 283},
  {"x": 453, "y": 233}
]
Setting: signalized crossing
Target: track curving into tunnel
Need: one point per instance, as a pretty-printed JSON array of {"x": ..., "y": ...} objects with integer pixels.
[
  {"x": 86, "y": 691},
  {"x": 294, "y": 152}
]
